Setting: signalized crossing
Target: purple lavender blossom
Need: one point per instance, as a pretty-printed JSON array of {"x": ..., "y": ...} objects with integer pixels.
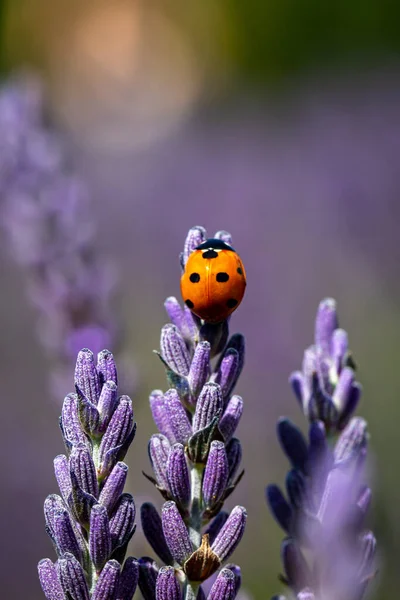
[
  {"x": 48, "y": 220},
  {"x": 195, "y": 457},
  {"x": 328, "y": 553},
  {"x": 92, "y": 522}
]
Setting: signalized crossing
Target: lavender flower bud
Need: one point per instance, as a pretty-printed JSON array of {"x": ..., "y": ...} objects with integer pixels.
[
  {"x": 61, "y": 471},
  {"x": 228, "y": 372},
  {"x": 114, "y": 486},
  {"x": 325, "y": 324},
  {"x": 199, "y": 368},
  {"x": 159, "y": 450},
  {"x": 296, "y": 568},
  {"x": 351, "y": 440},
  {"x": 122, "y": 522},
  {"x": 225, "y": 236},
  {"x": 343, "y": 389},
  {"x": 147, "y": 577},
  {"x": 160, "y": 414},
  {"x": 236, "y": 342},
  {"x": 295, "y": 487},
  {"x": 128, "y": 579},
  {"x": 72, "y": 578},
  {"x": 180, "y": 424},
  {"x": 279, "y": 507},
  {"x": 293, "y": 443},
  {"x": 167, "y": 587},
  {"x": 339, "y": 348},
  {"x": 99, "y": 536},
  {"x": 174, "y": 350},
  {"x": 236, "y": 570},
  {"x": 80, "y": 502},
  {"x": 231, "y": 417},
  {"x": 70, "y": 424},
  {"x": 52, "y": 505},
  {"x": 224, "y": 587},
  {"x": 175, "y": 313},
  {"x": 106, "y": 404},
  {"x": 65, "y": 536},
  {"x": 108, "y": 582},
  {"x": 106, "y": 367},
  {"x": 230, "y": 534},
  {"x": 216, "y": 473},
  {"x": 86, "y": 376},
  {"x": 195, "y": 237},
  {"x": 118, "y": 436},
  {"x": 82, "y": 466},
  {"x": 234, "y": 455},
  {"x": 215, "y": 526},
  {"x": 305, "y": 594},
  {"x": 175, "y": 532},
  {"x": 49, "y": 581},
  {"x": 208, "y": 405},
  {"x": 152, "y": 529},
  {"x": 178, "y": 475}
]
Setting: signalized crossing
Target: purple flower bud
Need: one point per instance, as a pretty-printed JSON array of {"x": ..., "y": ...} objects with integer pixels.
[
  {"x": 224, "y": 587},
  {"x": 114, "y": 486},
  {"x": 175, "y": 532},
  {"x": 167, "y": 587},
  {"x": 160, "y": 414},
  {"x": 196, "y": 236},
  {"x": 159, "y": 449},
  {"x": 225, "y": 236},
  {"x": 128, "y": 579},
  {"x": 86, "y": 376},
  {"x": 65, "y": 536},
  {"x": 106, "y": 404},
  {"x": 192, "y": 325},
  {"x": 318, "y": 446},
  {"x": 49, "y": 581},
  {"x": 61, "y": 471},
  {"x": 296, "y": 381},
  {"x": 99, "y": 536},
  {"x": 175, "y": 313},
  {"x": 215, "y": 477},
  {"x": 152, "y": 529},
  {"x": 293, "y": 443},
  {"x": 351, "y": 440},
  {"x": 343, "y": 389},
  {"x": 178, "y": 475},
  {"x": 72, "y": 578},
  {"x": 174, "y": 350},
  {"x": 52, "y": 505},
  {"x": 208, "y": 404},
  {"x": 200, "y": 368},
  {"x": 325, "y": 324},
  {"x": 236, "y": 570},
  {"x": 228, "y": 372},
  {"x": 305, "y": 594},
  {"x": 279, "y": 507},
  {"x": 231, "y": 417},
  {"x": 234, "y": 455},
  {"x": 108, "y": 582},
  {"x": 364, "y": 499},
  {"x": 180, "y": 424},
  {"x": 295, "y": 566},
  {"x": 82, "y": 465},
  {"x": 215, "y": 526},
  {"x": 147, "y": 577},
  {"x": 339, "y": 348},
  {"x": 122, "y": 522},
  {"x": 80, "y": 502},
  {"x": 118, "y": 436},
  {"x": 236, "y": 342},
  {"x": 295, "y": 487},
  {"x": 230, "y": 534},
  {"x": 70, "y": 424},
  {"x": 106, "y": 367},
  {"x": 368, "y": 550},
  {"x": 352, "y": 403}
]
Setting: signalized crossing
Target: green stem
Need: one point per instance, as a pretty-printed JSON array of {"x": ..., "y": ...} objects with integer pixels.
[
  {"x": 196, "y": 510},
  {"x": 191, "y": 590}
]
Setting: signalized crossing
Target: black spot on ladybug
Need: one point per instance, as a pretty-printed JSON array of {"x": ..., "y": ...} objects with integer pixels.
[
  {"x": 231, "y": 303},
  {"x": 239, "y": 270},
  {"x": 194, "y": 278},
  {"x": 222, "y": 277},
  {"x": 189, "y": 304},
  {"x": 210, "y": 254}
]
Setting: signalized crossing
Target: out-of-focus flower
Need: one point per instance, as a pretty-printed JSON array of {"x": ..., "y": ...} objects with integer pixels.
[
  {"x": 50, "y": 232},
  {"x": 328, "y": 553},
  {"x": 195, "y": 457},
  {"x": 92, "y": 521}
]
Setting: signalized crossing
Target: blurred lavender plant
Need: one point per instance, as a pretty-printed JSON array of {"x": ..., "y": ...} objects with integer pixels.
[
  {"x": 195, "y": 457},
  {"x": 49, "y": 226},
  {"x": 328, "y": 553},
  {"x": 92, "y": 521}
]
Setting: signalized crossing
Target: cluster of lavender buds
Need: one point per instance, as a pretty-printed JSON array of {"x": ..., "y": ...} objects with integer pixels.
[
  {"x": 49, "y": 226},
  {"x": 195, "y": 457},
  {"x": 328, "y": 553},
  {"x": 93, "y": 520}
]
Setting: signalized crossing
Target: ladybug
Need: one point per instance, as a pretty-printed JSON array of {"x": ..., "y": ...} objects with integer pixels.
[{"x": 214, "y": 281}]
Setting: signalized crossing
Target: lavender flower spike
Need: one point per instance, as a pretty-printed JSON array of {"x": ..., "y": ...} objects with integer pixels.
[
  {"x": 328, "y": 553},
  {"x": 194, "y": 457},
  {"x": 93, "y": 521}
]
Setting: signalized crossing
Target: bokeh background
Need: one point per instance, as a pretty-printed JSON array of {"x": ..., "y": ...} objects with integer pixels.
[{"x": 278, "y": 121}]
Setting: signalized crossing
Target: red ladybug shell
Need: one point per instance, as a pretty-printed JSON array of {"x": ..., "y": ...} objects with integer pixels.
[{"x": 214, "y": 281}]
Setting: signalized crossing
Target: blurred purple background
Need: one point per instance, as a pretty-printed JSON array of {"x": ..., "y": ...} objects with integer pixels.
[{"x": 305, "y": 175}]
